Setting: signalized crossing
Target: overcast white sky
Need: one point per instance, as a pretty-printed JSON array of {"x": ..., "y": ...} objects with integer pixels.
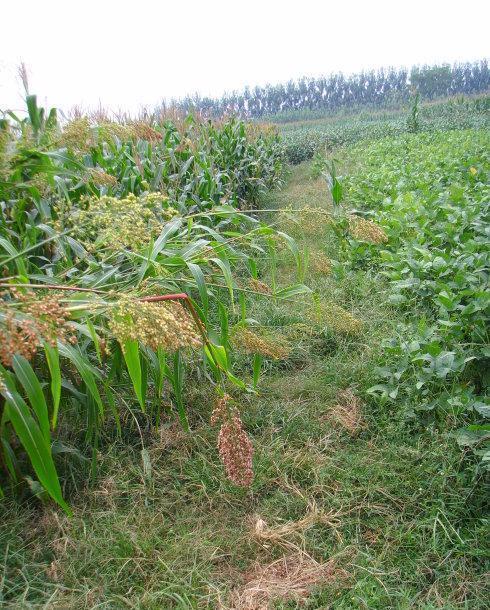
[{"x": 129, "y": 53}]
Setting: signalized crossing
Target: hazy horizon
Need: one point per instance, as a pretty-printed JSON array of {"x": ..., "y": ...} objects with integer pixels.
[{"x": 126, "y": 56}]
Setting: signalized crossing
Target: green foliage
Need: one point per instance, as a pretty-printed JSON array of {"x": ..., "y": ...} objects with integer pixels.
[
  {"x": 111, "y": 213},
  {"x": 430, "y": 194},
  {"x": 385, "y": 88},
  {"x": 402, "y": 516},
  {"x": 303, "y": 140},
  {"x": 413, "y": 123},
  {"x": 328, "y": 170}
]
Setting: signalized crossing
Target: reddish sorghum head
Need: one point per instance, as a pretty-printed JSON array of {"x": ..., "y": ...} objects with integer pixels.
[{"x": 234, "y": 446}]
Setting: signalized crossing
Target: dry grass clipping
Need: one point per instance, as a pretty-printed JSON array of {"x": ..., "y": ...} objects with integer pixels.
[
  {"x": 282, "y": 534},
  {"x": 348, "y": 412},
  {"x": 290, "y": 578}
]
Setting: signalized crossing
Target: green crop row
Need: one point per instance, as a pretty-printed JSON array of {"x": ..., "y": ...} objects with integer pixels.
[
  {"x": 430, "y": 193},
  {"x": 123, "y": 250},
  {"x": 303, "y": 140}
]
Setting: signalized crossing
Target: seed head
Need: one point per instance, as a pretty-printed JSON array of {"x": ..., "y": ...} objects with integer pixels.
[
  {"x": 320, "y": 263},
  {"x": 259, "y": 286},
  {"x": 100, "y": 178},
  {"x": 166, "y": 325},
  {"x": 366, "y": 230},
  {"x": 336, "y": 318},
  {"x": 35, "y": 320},
  {"x": 142, "y": 131},
  {"x": 307, "y": 220},
  {"x": 234, "y": 446},
  {"x": 220, "y": 410},
  {"x": 115, "y": 223},
  {"x": 252, "y": 343},
  {"x": 78, "y": 135}
]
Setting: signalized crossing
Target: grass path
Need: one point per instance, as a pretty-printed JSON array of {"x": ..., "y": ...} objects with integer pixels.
[{"x": 377, "y": 505}]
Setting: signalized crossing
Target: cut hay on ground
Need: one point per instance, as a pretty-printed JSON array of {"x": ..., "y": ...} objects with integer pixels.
[
  {"x": 347, "y": 412},
  {"x": 290, "y": 578},
  {"x": 282, "y": 534}
]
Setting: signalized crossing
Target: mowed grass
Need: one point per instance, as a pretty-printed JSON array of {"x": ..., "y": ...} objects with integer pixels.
[{"x": 397, "y": 511}]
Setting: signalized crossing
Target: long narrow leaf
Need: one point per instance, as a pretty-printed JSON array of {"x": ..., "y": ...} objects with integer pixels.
[
  {"x": 34, "y": 443},
  {"x": 53, "y": 359},
  {"x": 132, "y": 357},
  {"x": 86, "y": 371},
  {"x": 34, "y": 391}
]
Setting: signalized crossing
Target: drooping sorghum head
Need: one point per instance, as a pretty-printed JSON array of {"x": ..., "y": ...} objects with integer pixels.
[
  {"x": 366, "y": 230},
  {"x": 259, "y": 286},
  {"x": 250, "y": 342},
  {"x": 166, "y": 325},
  {"x": 234, "y": 446},
  {"x": 335, "y": 318},
  {"x": 31, "y": 320}
]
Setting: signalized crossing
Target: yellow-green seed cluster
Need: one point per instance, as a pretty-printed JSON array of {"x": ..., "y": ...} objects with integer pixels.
[
  {"x": 252, "y": 343},
  {"x": 129, "y": 222},
  {"x": 80, "y": 134},
  {"x": 308, "y": 220},
  {"x": 259, "y": 286},
  {"x": 101, "y": 178},
  {"x": 366, "y": 230},
  {"x": 165, "y": 325},
  {"x": 320, "y": 263},
  {"x": 336, "y": 318}
]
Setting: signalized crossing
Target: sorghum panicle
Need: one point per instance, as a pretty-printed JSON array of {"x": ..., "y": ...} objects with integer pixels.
[
  {"x": 166, "y": 325},
  {"x": 252, "y": 343},
  {"x": 41, "y": 319},
  {"x": 320, "y": 263},
  {"x": 259, "y": 286},
  {"x": 234, "y": 446},
  {"x": 116, "y": 223},
  {"x": 336, "y": 318},
  {"x": 366, "y": 230}
]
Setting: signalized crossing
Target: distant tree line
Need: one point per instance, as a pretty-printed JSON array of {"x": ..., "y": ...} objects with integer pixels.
[{"x": 379, "y": 88}]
